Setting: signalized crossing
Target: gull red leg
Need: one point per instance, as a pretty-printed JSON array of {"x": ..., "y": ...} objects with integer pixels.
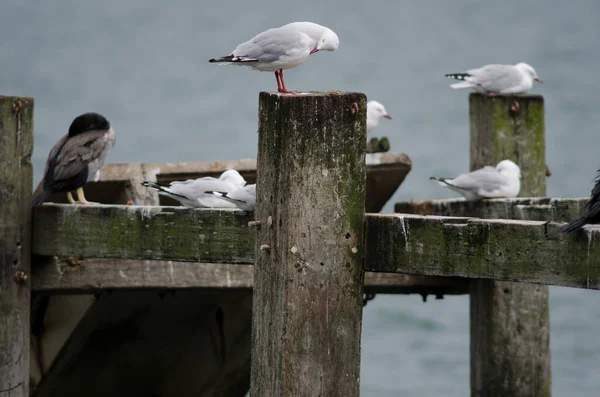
[
  {"x": 284, "y": 89},
  {"x": 278, "y": 83}
]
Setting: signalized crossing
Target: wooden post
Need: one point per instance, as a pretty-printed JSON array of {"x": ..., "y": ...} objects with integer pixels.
[
  {"x": 307, "y": 302},
  {"x": 16, "y": 146},
  {"x": 510, "y": 328}
]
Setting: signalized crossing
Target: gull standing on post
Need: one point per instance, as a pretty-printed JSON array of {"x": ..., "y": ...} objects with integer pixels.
[
  {"x": 282, "y": 48},
  {"x": 497, "y": 79},
  {"x": 375, "y": 112},
  {"x": 76, "y": 159},
  {"x": 488, "y": 182}
]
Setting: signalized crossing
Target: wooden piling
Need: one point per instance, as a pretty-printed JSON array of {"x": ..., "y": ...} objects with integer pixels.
[
  {"x": 510, "y": 342},
  {"x": 16, "y": 145},
  {"x": 307, "y": 302}
]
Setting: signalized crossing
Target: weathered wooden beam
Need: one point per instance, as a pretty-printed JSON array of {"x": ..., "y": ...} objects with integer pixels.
[
  {"x": 133, "y": 232},
  {"x": 16, "y": 146},
  {"x": 308, "y": 278},
  {"x": 532, "y": 209},
  {"x": 482, "y": 249},
  {"x": 61, "y": 231},
  {"x": 85, "y": 276},
  {"x": 510, "y": 325}
]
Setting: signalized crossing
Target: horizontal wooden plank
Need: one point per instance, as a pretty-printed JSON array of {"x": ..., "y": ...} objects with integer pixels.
[
  {"x": 533, "y": 209},
  {"x": 409, "y": 244},
  {"x": 85, "y": 276},
  {"x": 136, "y": 232},
  {"x": 507, "y": 250}
]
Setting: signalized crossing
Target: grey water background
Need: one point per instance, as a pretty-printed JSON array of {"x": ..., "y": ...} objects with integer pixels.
[{"x": 144, "y": 65}]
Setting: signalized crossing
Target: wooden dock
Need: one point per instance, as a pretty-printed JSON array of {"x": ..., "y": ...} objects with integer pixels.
[{"x": 156, "y": 300}]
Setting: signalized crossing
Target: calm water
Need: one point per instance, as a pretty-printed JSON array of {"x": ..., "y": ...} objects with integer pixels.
[{"x": 144, "y": 64}]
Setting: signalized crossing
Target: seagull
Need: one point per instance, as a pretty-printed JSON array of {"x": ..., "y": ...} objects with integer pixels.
[
  {"x": 375, "y": 111},
  {"x": 497, "y": 79},
  {"x": 282, "y": 48},
  {"x": 487, "y": 182},
  {"x": 244, "y": 197},
  {"x": 76, "y": 159},
  {"x": 593, "y": 210},
  {"x": 191, "y": 193}
]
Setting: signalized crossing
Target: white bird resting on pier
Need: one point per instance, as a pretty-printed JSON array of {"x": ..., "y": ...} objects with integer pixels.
[
  {"x": 497, "y": 79},
  {"x": 192, "y": 192},
  {"x": 375, "y": 112},
  {"x": 503, "y": 181},
  {"x": 244, "y": 197},
  {"x": 282, "y": 48}
]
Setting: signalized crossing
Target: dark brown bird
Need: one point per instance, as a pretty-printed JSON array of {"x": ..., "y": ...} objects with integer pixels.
[
  {"x": 593, "y": 210},
  {"x": 76, "y": 158}
]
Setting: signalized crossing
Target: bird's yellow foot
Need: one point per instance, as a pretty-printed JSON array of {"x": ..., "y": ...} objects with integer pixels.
[{"x": 82, "y": 199}]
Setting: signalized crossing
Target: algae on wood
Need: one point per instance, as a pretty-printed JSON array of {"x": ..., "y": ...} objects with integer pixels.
[
  {"x": 510, "y": 329},
  {"x": 16, "y": 146},
  {"x": 308, "y": 277},
  {"x": 528, "y": 209}
]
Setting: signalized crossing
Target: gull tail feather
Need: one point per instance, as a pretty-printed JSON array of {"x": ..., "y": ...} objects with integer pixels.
[
  {"x": 442, "y": 181},
  {"x": 161, "y": 189},
  {"x": 223, "y": 195},
  {"x": 231, "y": 59}
]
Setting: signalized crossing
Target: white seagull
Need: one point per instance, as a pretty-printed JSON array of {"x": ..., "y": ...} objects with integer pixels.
[
  {"x": 375, "y": 112},
  {"x": 497, "y": 79},
  {"x": 244, "y": 197},
  {"x": 282, "y": 48},
  {"x": 488, "y": 182},
  {"x": 191, "y": 193}
]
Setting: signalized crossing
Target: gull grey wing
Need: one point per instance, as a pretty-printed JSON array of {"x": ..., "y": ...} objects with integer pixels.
[
  {"x": 481, "y": 182},
  {"x": 270, "y": 45},
  {"x": 77, "y": 152},
  {"x": 199, "y": 186},
  {"x": 496, "y": 78}
]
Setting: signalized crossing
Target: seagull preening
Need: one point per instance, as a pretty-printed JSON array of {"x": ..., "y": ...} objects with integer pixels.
[
  {"x": 497, "y": 79},
  {"x": 282, "y": 48},
  {"x": 375, "y": 112},
  {"x": 488, "y": 182},
  {"x": 243, "y": 197},
  {"x": 192, "y": 192},
  {"x": 76, "y": 159},
  {"x": 593, "y": 210}
]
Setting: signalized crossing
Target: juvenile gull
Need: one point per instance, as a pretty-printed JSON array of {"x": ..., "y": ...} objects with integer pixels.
[
  {"x": 487, "y": 182},
  {"x": 592, "y": 208},
  {"x": 282, "y": 48},
  {"x": 244, "y": 197},
  {"x": 191, "y": 193},
  {"x": 497, "y": 79},
  {"x": 76, "y": 159},
  {"x": 375, "y": 112}
]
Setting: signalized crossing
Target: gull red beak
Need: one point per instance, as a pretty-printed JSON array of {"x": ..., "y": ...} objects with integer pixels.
[
  {"x": 315, "y": 50},
  {"x": 387, "y": 116},
  {"x": 538, "y": 80}
]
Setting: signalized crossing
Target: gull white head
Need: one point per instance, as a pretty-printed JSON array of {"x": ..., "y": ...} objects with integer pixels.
[
  {"x": 529, "y": 71},
  {"x": 375, "y": 112},
  {"x": 233, "y": 177},
  {"x": 509, "y": 168},
  {"x": 325, "y": 39},
  {"x": 328, "y": 41}
]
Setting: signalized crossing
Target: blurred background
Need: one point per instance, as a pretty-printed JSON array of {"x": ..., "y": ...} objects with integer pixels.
[{"x": 144, "y": 65}]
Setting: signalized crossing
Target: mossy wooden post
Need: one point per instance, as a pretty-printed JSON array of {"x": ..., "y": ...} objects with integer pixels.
[
  {"x": 510, "y": 329},
  {"x": 16, "y": 145},
  {"x": 308, "y": 278}
]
